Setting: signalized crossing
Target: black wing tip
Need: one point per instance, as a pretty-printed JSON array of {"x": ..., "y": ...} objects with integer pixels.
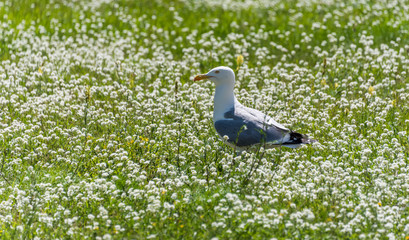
[{"x": 298, "y": 138}]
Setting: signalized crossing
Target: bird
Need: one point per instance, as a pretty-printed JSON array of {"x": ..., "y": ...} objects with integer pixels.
[{"x": 242, "y": 127}]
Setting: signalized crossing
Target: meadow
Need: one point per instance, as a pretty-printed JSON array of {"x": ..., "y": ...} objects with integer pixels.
[{"x": 104, "y": 135}]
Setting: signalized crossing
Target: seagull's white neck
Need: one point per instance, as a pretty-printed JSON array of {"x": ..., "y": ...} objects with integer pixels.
[{"x": 224, "y": 100}]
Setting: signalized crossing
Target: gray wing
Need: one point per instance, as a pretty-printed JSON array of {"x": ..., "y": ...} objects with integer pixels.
[
  {"x": 245, "y": 128},
  {"x": 237, "y": 132},
  {"x": 240, "y": 112}
]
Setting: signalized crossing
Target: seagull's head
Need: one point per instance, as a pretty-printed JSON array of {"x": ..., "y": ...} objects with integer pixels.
[{"x": 218, "y": 75}]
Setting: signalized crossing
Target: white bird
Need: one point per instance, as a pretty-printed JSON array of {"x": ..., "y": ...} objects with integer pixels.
[{"x": 245, "y": 127}]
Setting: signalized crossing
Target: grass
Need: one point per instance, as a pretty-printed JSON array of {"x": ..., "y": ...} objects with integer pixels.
[{"x": 103, "y": 134}]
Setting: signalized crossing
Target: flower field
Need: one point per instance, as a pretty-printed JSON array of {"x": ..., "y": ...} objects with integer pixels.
[{"x": 104, "y": 135}]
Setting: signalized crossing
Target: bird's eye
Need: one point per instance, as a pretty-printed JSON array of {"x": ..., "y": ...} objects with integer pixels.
[{"x": 217, "y": 71}]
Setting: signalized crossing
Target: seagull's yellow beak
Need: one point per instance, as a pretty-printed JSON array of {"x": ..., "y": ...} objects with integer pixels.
[{"x": 201, "y": 77}]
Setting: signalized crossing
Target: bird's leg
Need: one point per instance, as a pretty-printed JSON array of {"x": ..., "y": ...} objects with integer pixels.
[{"x": 238, "y": 152}]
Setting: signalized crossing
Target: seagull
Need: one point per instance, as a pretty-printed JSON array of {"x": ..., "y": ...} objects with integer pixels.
[{"x": 241, "y": 127}]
